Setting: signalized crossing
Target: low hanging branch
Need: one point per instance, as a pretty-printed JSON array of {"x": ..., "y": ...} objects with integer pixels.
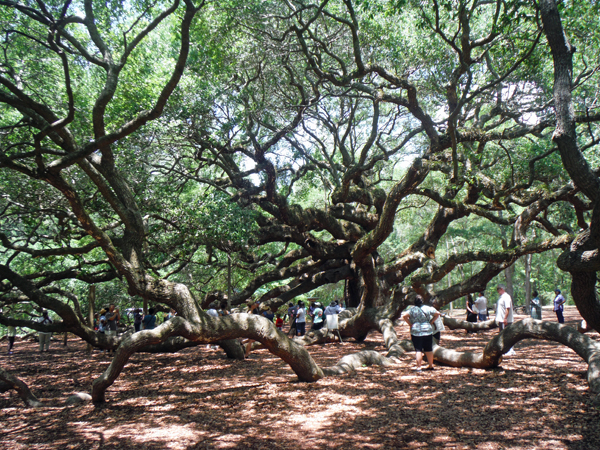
[
  {"x": 491, "y": 357},
  {"x": 459, "y": 324},
  {"x": 211, "y": 330}
]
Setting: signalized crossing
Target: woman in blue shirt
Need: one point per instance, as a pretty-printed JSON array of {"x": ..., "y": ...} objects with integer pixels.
[{"x": 149, "y": 321}]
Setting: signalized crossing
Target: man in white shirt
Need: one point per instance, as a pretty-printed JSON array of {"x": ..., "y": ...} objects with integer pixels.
[
  {"x": 504, "y": 312},
  {"x": 481, "y": 305}
]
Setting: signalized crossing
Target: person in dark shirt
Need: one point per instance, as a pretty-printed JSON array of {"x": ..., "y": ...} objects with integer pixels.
[{"x": 149, "y": 321}]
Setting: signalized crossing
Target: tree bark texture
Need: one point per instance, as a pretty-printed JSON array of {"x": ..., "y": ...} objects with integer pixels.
[
  {"x": 582, "y": 258},
  {"x": 491, "y": 356},
  {"x": 22, "y": 389}
]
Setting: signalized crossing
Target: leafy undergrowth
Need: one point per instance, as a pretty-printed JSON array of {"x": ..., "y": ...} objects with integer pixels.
[{"x": 197, "y": 399}]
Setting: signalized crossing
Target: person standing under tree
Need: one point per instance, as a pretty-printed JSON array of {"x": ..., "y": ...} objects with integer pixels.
[
  {"x": 420, "y": 318},
  {"x": 559, "y": 301},
  {"x": 138, "y": 316},
  {"x": 11, "y": 333},
  {"x": 481, "y": 307},
  {"x": 112, "y": 319},
  {"x": 504, "y": 312},
  {"x": 536, "y": 306},
  {"x": 292, "y": 317},
  {"x": 317, "y": 316},
  {"x": 149, "y": 320},
  {"x": 45, "y": 336},
  {"x": 300, "y": 319},
  {"x": 471, "y": 311}
]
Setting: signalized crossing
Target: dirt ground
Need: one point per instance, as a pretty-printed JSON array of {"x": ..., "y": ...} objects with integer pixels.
[{"x": 196, "y": 399}]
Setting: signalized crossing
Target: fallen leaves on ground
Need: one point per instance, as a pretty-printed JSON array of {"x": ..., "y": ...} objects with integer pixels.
[{"x": 196, "y": 399}]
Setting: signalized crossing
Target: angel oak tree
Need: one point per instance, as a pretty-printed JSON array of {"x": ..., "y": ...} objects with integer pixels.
[{"x": 293, "y": 145}]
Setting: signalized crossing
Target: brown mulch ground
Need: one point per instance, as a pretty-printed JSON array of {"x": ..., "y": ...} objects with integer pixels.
[{"x": 196, "y": 399}]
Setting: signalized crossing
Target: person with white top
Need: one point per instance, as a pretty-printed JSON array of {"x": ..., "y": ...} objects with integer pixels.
[
  {"x": 212, "y": 310},
  {"x": 481, "y": 306},
  {"x": 504, "y": 311},
  {"x": 300, "y": 319},
  {"x": 438, "y": 324},
  {"x": 420, "y": 318},
  {"x": 536, "y": 306}
]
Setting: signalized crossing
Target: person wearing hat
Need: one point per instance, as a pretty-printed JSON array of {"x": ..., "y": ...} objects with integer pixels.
[
  {"x": 559, "y": 301},
  {"x": 317, "y": 316},
  {"x": 333, "y": 308}
]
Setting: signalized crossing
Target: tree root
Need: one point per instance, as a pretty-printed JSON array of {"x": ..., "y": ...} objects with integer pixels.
[
  {"x": 22, "y": 389},
  {"x": 491, "y": 357},
  {"x": 350, "y": 363},
  {"x": 212, "y": 330}
]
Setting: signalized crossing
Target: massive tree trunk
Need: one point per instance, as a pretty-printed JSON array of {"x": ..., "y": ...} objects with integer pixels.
[{"x": 582, "y": 259}]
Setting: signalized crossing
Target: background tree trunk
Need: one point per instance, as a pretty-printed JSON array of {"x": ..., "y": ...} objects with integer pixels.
[
  {"x": 92, "y": 305},
  {"x": 527, "y": 260}
]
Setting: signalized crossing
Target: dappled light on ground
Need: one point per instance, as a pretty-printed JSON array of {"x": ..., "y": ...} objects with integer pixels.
[{"x": 198, "y": 399}]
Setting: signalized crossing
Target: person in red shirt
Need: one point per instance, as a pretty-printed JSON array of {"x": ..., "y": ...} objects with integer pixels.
[{"x": 279, "y": 322}]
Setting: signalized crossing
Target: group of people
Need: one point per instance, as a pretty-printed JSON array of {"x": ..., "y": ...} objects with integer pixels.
[
  {"x": 316, "y": 312},
  {"x": 43, "y": 336},
  {"x": 425, "y": 321},
  {"x": 477, "y": 310},
  {"x": 108, "y": 319},
  {"x": 558, "y": 306}
]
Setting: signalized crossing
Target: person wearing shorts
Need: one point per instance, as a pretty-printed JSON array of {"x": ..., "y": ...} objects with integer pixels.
[{"x": 420, "y": 319}]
